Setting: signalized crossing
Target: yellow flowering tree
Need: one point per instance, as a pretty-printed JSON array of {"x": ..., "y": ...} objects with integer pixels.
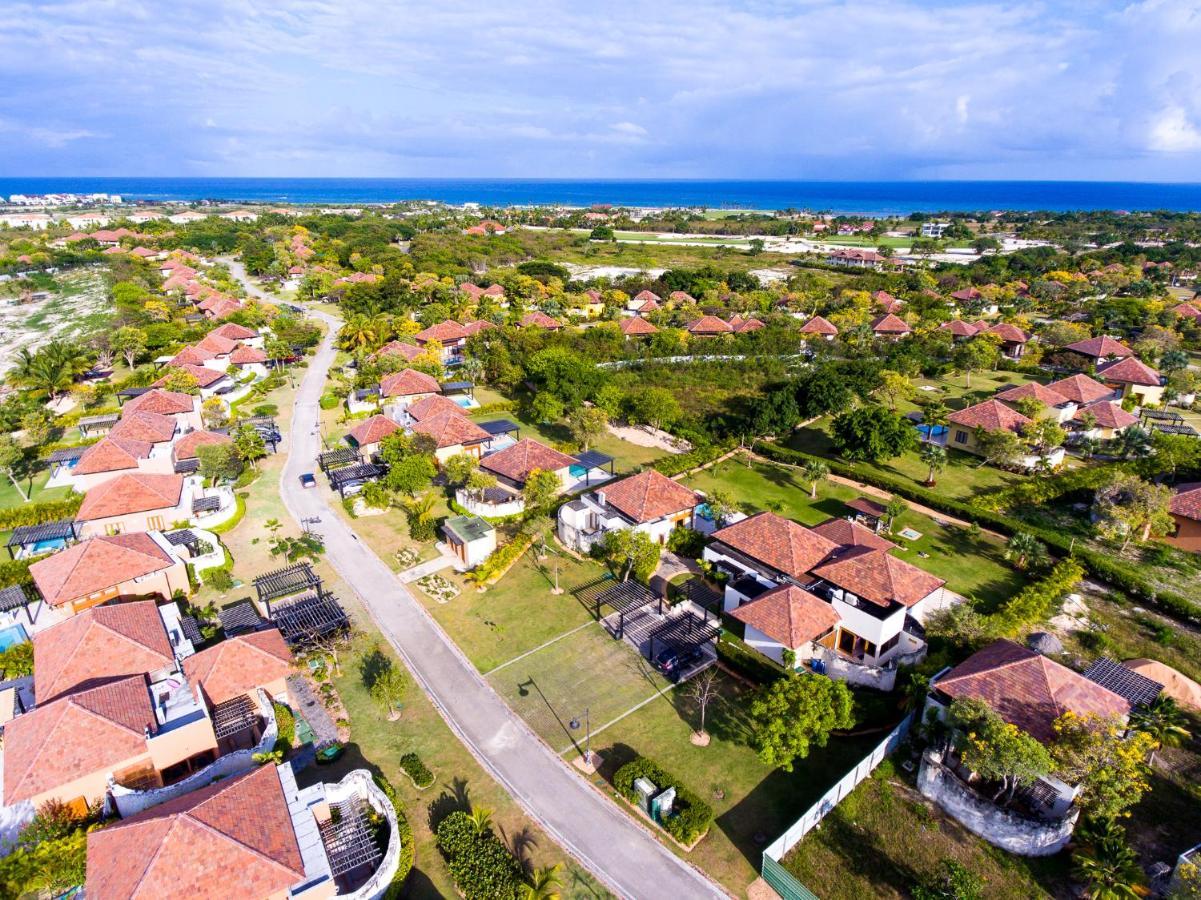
[{"x": 1110, "y": 767}]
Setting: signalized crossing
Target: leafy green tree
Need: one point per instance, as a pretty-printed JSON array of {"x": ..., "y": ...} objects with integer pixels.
[
  {"x": 1164, "y": 721},
  {"x": 1000, "y": 446},
  {"x": 546, "y": 408},
  {"x": 181, "y": 381},
  {"x": 1108, "y": 764},
  {"x": 459, "y": 468},
  {"x": 1025, "y": 550},
  {"x": 411, "y": 474},
  {"x": 631, "y": 553},
  {"x": 872, "y": 434},
  {"x": 388, "y": 689},
  {"x": 587, "y": 424},
  {"x": 975, "y": 355},
  {"x": 219, "y": 462},
  {"x": 815, "y": 471},
  {"x": 420, "y": 511},
  {"x": 996, "y": 749},
  {"x": 893, "y": 510},
  {"x": 13, "y": 461},
  {"x": 894, "y": 387},
  {"x": 1107, "y": 864},
  {"x": 653, "y": 406},
  {"x": 128, "y": 341},
  {"x": 798, "y": 712},
  {"x": 540, "y": 489},
  {"x": 1172, "y": 452},
  {"x": 249, "y": 446},
  {"x": 1129, "y": 508}
]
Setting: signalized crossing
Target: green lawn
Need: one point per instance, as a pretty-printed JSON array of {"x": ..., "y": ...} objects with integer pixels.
[
  {"x": 972, "y": 566},
  {"x": 35, "y": 488},
  {"x": 627, "y": 457}
]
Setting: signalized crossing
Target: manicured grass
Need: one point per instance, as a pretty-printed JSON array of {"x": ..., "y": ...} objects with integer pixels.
[
  {"x": 752, "y": 802},
  {"x": 587, "y": 670},
  {"x": 972, "y": 566},
  {"x": 885, "y": 837},
  {"x": 36, "y": 489},
  {"x": 627, "y": 457}
]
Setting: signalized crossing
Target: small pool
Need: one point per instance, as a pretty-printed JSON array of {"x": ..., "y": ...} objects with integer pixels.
[
  {"x": 11, "y": 636},
  {"x": 704, "y": 512},
  {"x": 931, "y": 432},
  {"x": 462, "y": 400},
  {"x": 48, "y": 545},
  {"x": 578, "y": 471}
]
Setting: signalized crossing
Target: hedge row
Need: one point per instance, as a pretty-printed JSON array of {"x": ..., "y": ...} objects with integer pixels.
[
  {"x": 40, "y": 513},
  {"x": 1040, "y": 490},
  {"x": 676, "y": 463},
  {"x": 16, "y": 571},
  {"x": 1115, "y": 572},
  {"x": 501, "y": 559},
  {"x": 1036, "y": 601},
  {"x": 755, "y": 666},
  {"x": 482, "y": 867},
  {"x": 491, "y": 409},
  {"x": 691, "y": 816},
  {"x": 405, "y": 833}
]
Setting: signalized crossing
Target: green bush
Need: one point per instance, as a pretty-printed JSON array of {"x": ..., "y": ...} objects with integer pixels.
[
  {"x": 219, "y": 579},
  {"x": 500, "y": 558},
  {"x": 17, "y": 661},
  {"x": 1035, "y": 602},
  {"x": 482, "y": 867},
  {"x": 285, "y": 723},
  {"x": 675, "y": 463},
  {"x": 48, "y": 869},
  {"x": 329, "y": 401},
  {"x": 491, "y": 409},
  {"x": 395, "y": 889},
  {"x": 417, "y": 770},
  {"x": 40, "y": 513},
  {"x": 266, "y": 409},
  {"x": 16, "y": 571},
  {"x": 754, "y": 666},
  {"x": 691, "y": 816}
]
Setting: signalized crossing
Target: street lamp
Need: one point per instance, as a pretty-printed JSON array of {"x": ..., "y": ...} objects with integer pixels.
[{"x": 574, "y": 724}]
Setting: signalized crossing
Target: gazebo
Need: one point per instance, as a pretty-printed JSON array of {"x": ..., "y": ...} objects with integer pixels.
[
  {"x": 34, "y": 540},
  {"x": 295, "y": 579}
]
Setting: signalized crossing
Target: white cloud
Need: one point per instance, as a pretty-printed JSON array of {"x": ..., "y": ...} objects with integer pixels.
[{"x": 1172, "y": 132}]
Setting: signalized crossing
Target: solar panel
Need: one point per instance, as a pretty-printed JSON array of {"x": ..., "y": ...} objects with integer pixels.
[
  {"x": 1138, "y": 689},
  {"x": 206, "y": 504},
  {"x": 187, "y": 466}
]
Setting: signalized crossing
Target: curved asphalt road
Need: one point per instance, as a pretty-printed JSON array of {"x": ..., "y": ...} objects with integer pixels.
[{"x": 617, "y": 850}]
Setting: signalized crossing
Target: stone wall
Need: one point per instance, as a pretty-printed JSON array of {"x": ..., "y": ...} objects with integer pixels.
[{"x": 1000, "y": 827}]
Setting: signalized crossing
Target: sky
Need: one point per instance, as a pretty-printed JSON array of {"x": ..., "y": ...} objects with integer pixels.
[{"x": 810, "y": 89}]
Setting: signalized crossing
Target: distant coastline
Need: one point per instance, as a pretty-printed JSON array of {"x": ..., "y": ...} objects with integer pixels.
[{"x": 876, "y": 198}]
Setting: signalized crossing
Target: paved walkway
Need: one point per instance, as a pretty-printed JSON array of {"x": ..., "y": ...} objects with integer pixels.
[
  {"x": 619, "y": 851},
  {"x": 429, "y": 567}
]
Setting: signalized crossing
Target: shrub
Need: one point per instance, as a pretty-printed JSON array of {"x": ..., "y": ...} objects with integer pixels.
[
  {"x": 1034, "y": 602},
  {"x": 417, "y": 770},
  {"x": 482, "y": 867},
  {"x": 691, "y": 816},
  {"x": 16, "y": 571},
  {"x": 266, "y": 409},
  {"x": 40, "y": 513},
  {"x": 674, "y": 464},
  {"x": 17, "y": 661},
  {"x": 329, "y": 401},
  {"x": 47, "y": 869},
  {"x": 285, "y": 723},
  {"x": 405, "y": 832},
  {"x": 219, "y": 579}
]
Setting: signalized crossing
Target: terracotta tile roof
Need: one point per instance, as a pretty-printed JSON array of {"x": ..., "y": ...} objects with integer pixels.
[
  {"x": 471, "y": 290},
  {"x": 477, "y": 326},
  {"x": 788, "y": 615},
  {"x": 991, "y": 415},
  {"x": 191, "y": 847},
  {"x": 1101, "y": 348},
  {"x": 245, "y": 356},
  {"x": 97, "y": 564},
  {"x": 958, "y": 327},
  {"x": 1186, "y": 501},
  {"x": 408, "y": 383},
  {"x": 819, "y": 325},
  {"x": 1188, "y": 311},
  {"x": 890, "y": 324},
  {"x": 648, "y": 496},
  {"x": 1081, "y": 389},
  {"x": 681, "y": 297},
  {"x": 846, "y": 533},
  {"x": 740, "y": 325},
  {"x": 709, "y": 325},
  {"x": 644, "y": 295},
  {"x": 164, "y": 403},
  {"x": 516, "y": 462},
  {"x": 149, "y": 427},
  {"x": 1026, "y": 689},
  {"x": 782, "y": 544},
  {"x": 111, "y": 454},
  {"x": 1047, "y": 396},
  {"x": 1108, "y": 414},
  {"x": 433, "y": 405},
  {"x": 445, "y": 332},
  {"x": 234, "y": 332},
  {"x": 216, "y": 344},
  {"x": 408, "y": 352},
  {"x": 538, "y": 319},
  {"x": 968, "y": 293},
  {"x": 450, "y": 429},
  {"x": 187, "y": 447},
  {"x": 867, "y": 506},
  {"x": 1008, "y": 333},
  {"x": 879, "y": 577},
  {"x": 131, "y": 493},
  {"x": 1129, "y": 371},
  {"x": 635, "y": 326},
  {"x": 77, "y": 735},
  {"x": 205, "y": 377},
  {"x": 239, "y": 665},
  {"x": 494, "y": 290},
  {"x": 97, "y": 645},
  {"x": 887, "y": 301},
  {"x": 192, "y": 356},
  {"x": 373, "y": 430}
]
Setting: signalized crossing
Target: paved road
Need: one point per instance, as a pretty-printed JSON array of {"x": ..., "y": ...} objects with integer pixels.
[{"x": 616, "y": 849}]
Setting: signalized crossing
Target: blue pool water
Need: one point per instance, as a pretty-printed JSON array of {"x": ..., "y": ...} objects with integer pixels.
[
  {"x": 578, "y": 471},
  {"x": 463, "y": 400},
  {"x": 11, "y": 636},
  {"x": 932, "y": 431},
  {"x": 705, "y": 512},
  {"x": 49, "y": 544}
]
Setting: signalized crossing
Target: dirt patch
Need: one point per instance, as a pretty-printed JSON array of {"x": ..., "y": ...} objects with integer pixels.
[
  {"x": 642, "y": 436},
  {"x": 77, "y": 309}
]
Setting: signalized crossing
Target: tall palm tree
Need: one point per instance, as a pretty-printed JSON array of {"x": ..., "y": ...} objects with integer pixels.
[
  {"x": 1165, "y": 721},
  {"x": 815, "y": 470},
  {"x": 542, "y": 884},
  {"x": 935, "y": 458},
  {"x": 358, "y": 332},
  {"x": 481, "y": 820}
]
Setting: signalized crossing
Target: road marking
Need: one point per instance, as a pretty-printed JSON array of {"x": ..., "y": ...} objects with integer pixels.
[
  {"x": 539, "y": 647},
  {"x": 630, "y": 711}
]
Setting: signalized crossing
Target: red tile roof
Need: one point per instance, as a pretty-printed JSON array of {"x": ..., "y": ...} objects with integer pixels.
[
  {"x": 191, "y": 847},
  {"x": 741, "y": 326},
  {"x": 890, "y": 324},
  {"x": 444, "y": 332},
  {"x": 111, "y": 454},
  {"x": 216, "y": 343},
  {"x": 433, "y": 405},
  {"x": 1047, "y": 396},
  {"x": 97, "y": 645},
  {"x": 1101, "y": 348},
  {"x": 373, "y": 430},
  {"x": 1188, "y": 311},
  {"x": 709, "y": 325},
  {"x": 1186, "y": 501},
  {"x": 1108, "y": 414},
  {"x": 518, "y": 461},
  {"x": 246, "y": 356},
  {"x": 1081, "y": 389},
  {"x": 819, "y": 325},
  {"x": 451, "y": 429},
  {"x": 644, "y": 295},
  {"x": 188, "y": 446},
  {"x": 846, "y": 533},
  {"x": 635, "y": 326},
  {"x": 782, "y": 544},
  {"x": 149, "y": 427},
  {"x": 968, "y": 293},
  {"x": 239, "y": 665},
  {"x": 131, "y": 493},
  {"x": 1008, "y": 333},
  {"x": 681, "y": 297},
  {"x": 408, "y": 383},
  {"x": 191, "y": 356},
  {"x": 648, "y": 496},
  {"x": 98, "y": 564},
  {"x": 959, "y": 328},
  {"x": 1129, "y": 371},
  {"x": 79, "y": 734},
  {"x": 1026, "y": 689},
  {"x": 396, "y": 348},
  {"x": 788, "y": 615},
  {"x": 991, "y": 415},
  {"x": 477, "y": 326},
  {"x": 165, "y": 403},
  {"x": 538, "y": 319},
  {"x": 879, "y": 577},
  {"x": 234, "y": 331}
]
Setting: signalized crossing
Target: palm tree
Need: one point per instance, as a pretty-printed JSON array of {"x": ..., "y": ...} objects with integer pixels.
[
  {"x": 421, "y": 515},
  {"x": 1088, "y": 447},
  {"x": 358, "y": 332},
  {"x": 481, "y": 820},
  {"x": 1133, "y": 441},
  {"x": 542, "y": 884},
  {"x": 1109, "y": 868},
  {"x": 815, "y": 470},
  {"x": 935, "y": 458},
  {"x": 1024, "y": 548},
  {"x": 1165, "y": 721}
]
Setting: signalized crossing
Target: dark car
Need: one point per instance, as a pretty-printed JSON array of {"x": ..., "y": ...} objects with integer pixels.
[
  {"x": 674, "y": 660},
  {"x": 308, "y": 480}
]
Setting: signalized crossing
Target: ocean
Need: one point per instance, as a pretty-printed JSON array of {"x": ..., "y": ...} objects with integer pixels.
[{"x": 855, "y": 197}]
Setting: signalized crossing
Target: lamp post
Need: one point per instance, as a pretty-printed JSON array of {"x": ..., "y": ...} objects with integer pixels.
[{"x": 588, "y": 764}]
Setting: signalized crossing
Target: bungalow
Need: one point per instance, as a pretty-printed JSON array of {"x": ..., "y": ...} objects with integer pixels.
[
  {"x": 249, "y": 359},
  {"x": 890, "y": 327},
  {"x": 474, "y": 328},
  {"x": 1013, "y": 339},
  {"x": 887, "y": 302},
  {"x": 407, "y": 352},
  {"x": 856, "y": 259},
  {"x": 1053, "y": 404},
  {"x": 538, "y": 319},
  {"x": 1188, "y": 311},
  {"x": 513, "y": 465},
  {"x": 820, "y": 327},
  {"x": 453, "y": 433},
  {"x": 450, "y": 335},
  {"x": 471, "y": 539},
  {"x": 113, "y": 456},
  {"x": 1099, "y": 349},
  {"x": 1081, "y": 389},
  {"x": 430, "y": 406},
  {"x": 1186, "y": 513},
  {"x": 1132, "y": 377},
  {"x": 648, "y": 502},
  {"x": 109, "y": 567},
  {"x": 960, "y": 330},
  {"x": 184, "y": 408},
  {"x": 636, "y": 327},
  {"x": 708, "y": 325},
  {"x": 679, "y": 297},
  {"x": 185, "y": 453},
  {"x": 645, "y": 302},
  {"x": 367, "y": 435},
  {"x": 786, "y": 618},
  {"x": 142, "y": 425},
  {"x": 241, "y": 666},
  {"x": 739, "y": 325},
  {"x": 210, "y": 381},
  {"x": 989, "y": 415},
  {"x": 408, "y": 386},
  {"x": 1107, "y": 419},
  {"x": 199, "y": 356},
  {"x": 967, "y": 295},
  {"x": 147, "y": 502}
]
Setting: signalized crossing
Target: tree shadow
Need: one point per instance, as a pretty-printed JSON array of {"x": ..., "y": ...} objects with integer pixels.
[
  {"x": 372, "y": 665},
  {"x": 455, "y": 797}
]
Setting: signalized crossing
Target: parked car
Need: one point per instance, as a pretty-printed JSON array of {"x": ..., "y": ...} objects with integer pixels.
[
  {"x": 308, "y": 480},
  {"x": 674, "y": 660}
]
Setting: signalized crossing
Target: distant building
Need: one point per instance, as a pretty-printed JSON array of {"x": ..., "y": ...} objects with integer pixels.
[{"x": 934, "y": 230}]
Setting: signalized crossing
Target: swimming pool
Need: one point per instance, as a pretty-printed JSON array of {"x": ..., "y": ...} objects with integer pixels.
[
  {"x": 47, "y": 545},
  {"x": 462, "y": 400},
  {"x": 578, "y": 471},
  {"x": 11, "y": 636},
  {"x": 704, "y": 512},
  {"x": 932, "y": 432}
]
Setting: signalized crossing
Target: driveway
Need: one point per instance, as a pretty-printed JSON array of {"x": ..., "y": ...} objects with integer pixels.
[{"x": 619, "y": 851}]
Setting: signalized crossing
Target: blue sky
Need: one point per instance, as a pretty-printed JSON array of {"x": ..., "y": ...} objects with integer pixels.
[{"x": 908, "y": 89}]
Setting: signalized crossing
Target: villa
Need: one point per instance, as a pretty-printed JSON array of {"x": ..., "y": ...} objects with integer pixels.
[
  {"x": 648, "y": 502},
  {"x": 1130, "y": 377},
  {"x": 1186, "y": 513}
]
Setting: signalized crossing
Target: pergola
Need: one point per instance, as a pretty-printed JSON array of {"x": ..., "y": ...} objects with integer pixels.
[
  {"x": 309, "y": 618},
  {"x": 206, "y": 504},
  {"x": 234, "y": 716},
  {"x": 14, "y": 597},
  {"x": 98, "y": 422},
  {"x": 700, "y": 594},
  {"x": 1181, "y": 428},
  {"x": 294, "y": 579},
  {"x": 1160, "y": 415},
  {"x": 342, "y": 480},
  {"x": 29, "y": 535},
  {"x": 130, "y": 393},
  {"x": 184, "y": 538},
  {"x": 459, "y": 387},
  {"x": 593, "y": 459},
  {"x": 335, "y": 459},
  {"x": 238, "y": 618},
  {"x": 348, "y": 838},
  {"x": 501, "y": 426},
  {"x": 187, "y": 466},
  {"x": 684, "y": 632},
  {"x": 623, "y": 597},
  {"x": 65, "y": 456}
]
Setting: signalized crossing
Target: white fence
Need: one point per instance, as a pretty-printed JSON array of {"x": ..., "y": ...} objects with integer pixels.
[{"x": 813, "y": 815}]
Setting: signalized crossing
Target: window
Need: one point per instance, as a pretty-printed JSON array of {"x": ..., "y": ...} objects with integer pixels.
[
  {"x": 155, "y": 523},
  {"x": 113, "y": 528},
  {"x": 960, "y": 436}
]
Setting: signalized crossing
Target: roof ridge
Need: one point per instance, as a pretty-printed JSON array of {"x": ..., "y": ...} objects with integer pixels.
[{"x": 189, "y": 814}]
